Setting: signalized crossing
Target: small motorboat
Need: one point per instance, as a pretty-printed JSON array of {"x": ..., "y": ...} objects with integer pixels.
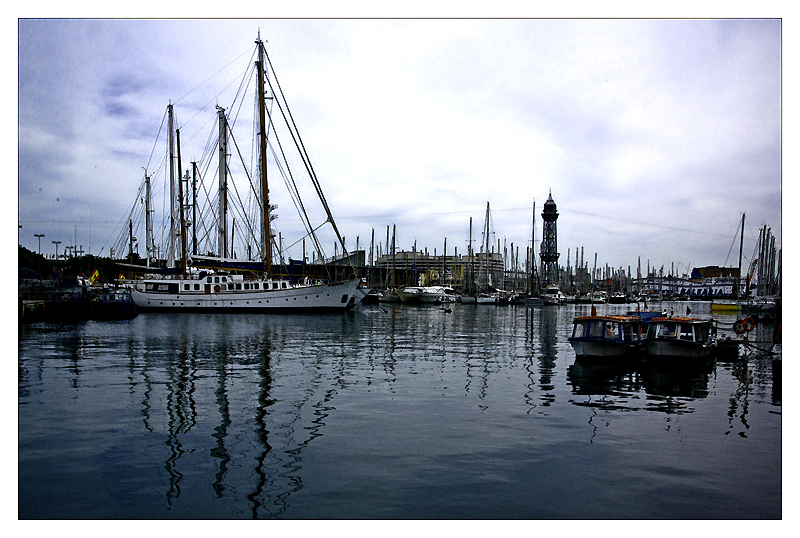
[
  {"x": 680, "y": 338},
  {"x": 603, "y": 337}
]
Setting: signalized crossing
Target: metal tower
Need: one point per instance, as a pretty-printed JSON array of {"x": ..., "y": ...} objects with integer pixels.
[{"x": 549, "y": 249}]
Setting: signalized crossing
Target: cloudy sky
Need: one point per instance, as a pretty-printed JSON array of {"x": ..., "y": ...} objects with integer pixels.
[{"x": 654, "y": 136}]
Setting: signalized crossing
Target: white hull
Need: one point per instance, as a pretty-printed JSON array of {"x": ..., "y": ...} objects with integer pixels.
[
  {"x": 433, "y": 294},
  {"x": 678, "y": 349},
  {"x": 390, "y": 296},
  {"x": 170, "y": 295},
  {"x": 409, "y": 295},
  {"x": 600, "y": 349},
  {"x": 490, "y": 299}
]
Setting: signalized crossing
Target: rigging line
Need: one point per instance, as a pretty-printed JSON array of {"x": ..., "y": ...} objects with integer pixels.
[
  {"x": 288, "y": 179},
  {"x": 240, "y": 206},
  {"x": 214, "y": 75},
  {"x": 246, "y": 173},
  {"x": 158, "y": 135},
  {"x": 297, "y": 200},
  {"x": 294, "y": 192},
  {"x": 309, "y": 234},
  {"x": 119, "y": 224},
  {"x": 304, "y": 153},
  {"x": 738, "y": 227}
]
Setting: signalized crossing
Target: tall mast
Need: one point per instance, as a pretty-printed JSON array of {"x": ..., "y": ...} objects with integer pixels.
[
  {"x": 394, "y": 258},
  {"x": 266, "y": 246},
  {"x": 148, "y": 220},
  {"x": 471, "y": 289},
  {"x": 172, "y": 197},
  {"x": 181, "y": 206},
  {"x": 741, "y": 246},
  {"x": 223, "y": 184},
  {"x": 194, "y": 208}
]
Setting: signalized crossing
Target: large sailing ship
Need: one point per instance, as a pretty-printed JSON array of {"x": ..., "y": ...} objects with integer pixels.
[{"x": 188, "y": 281}]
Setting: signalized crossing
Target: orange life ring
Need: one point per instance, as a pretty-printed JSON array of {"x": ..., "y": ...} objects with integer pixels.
[
  {"x": 738, "y": 327},
  {"x": 749, "y": 324},
  {"x": 216, "y": 288}
]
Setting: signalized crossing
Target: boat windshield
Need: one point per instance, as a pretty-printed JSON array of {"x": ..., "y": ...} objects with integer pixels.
[
  {"x": 612, "y": 329},
  {"x": 628, "y": 333},
  {"x": 701, "y": 333},
  {"x": 686, "y": 332},
  {"x": 663, "y": 330},
  {"x": 579, "y": 330}
]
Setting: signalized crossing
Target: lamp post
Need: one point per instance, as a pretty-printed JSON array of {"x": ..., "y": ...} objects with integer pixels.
[
  {"x": 39, "y": 237},
  {"x": 56, "y": 243}
]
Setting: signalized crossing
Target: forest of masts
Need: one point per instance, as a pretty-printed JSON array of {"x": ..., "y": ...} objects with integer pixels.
[{"x": 503, "y": 267}]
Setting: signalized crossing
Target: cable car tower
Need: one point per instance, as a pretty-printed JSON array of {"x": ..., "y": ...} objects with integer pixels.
[{"x": 549, "y": 249}]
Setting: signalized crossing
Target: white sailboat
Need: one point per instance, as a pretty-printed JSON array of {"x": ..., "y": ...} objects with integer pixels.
[{"x": 253, "y": 285}]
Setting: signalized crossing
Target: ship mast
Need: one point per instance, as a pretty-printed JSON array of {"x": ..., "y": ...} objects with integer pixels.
[
  {"x": 172, "y": 196},
  {"x": 223, "y": 184},
  {"x": 266, "y": 247}
]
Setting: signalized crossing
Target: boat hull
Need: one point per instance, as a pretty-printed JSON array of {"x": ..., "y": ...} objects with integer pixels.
[
  {"x": 321, "y": 297},
  {"x": 678, "y": 349},
  {"x": 409, "y": 295},
  {"x": 604, "y": 349}
]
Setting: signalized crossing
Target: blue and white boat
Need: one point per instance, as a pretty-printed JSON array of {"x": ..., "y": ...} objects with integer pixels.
[{"x": 603, "y": 337}]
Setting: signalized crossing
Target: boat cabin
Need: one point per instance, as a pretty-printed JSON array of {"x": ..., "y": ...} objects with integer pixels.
[
  {"x": 620, "y": 328},
  {"x": 687, "y": 329}
]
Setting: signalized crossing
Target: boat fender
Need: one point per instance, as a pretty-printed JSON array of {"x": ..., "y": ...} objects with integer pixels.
[
  {"x": 738, "y": 327},
  {"x": 748, "y": 324},
  {"x": 216, "y": 288}
]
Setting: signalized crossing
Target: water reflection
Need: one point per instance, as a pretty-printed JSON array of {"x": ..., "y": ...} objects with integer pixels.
[
  {"x": 235, "y": 416},
  {"x": 667, "y": 388}
]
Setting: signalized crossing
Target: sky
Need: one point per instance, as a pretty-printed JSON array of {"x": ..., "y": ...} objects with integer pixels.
[{"x": 653, "y": 136}]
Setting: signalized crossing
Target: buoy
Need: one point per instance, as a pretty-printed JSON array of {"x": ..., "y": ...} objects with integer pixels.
[{"x": 749, "y": 324}]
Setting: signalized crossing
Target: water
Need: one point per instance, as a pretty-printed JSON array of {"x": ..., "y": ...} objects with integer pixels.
[{"x": 392, "y": 413}]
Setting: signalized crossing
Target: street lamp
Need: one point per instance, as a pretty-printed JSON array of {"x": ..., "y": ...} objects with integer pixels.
[
  {"x": 39, "y": 237},
  {"x": 56, "y": 243}
]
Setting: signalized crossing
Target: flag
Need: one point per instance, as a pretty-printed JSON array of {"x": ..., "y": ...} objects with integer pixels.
[
  {"x": 120, "y": 277},
  {"x": 94, "y": 276}
]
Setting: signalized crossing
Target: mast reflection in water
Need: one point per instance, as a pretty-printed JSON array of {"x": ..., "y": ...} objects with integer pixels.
[{"x": 412, "y": 412}]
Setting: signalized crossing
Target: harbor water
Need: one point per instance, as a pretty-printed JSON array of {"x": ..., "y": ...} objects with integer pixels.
[{"x": 401, "y": 412}]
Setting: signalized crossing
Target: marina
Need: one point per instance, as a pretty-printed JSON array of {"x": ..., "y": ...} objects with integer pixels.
[
  {"x": 402, "y": 413},
  {"x": 228, "y": 359}
]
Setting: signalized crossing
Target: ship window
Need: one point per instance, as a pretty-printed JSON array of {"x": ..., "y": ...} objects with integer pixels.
[
  {"x": 247, "y": 285},
  {"x": 186, "y": 287},
  {"x": 701, "y": 332},
  {"x": 579, "y": 330},
  {"x": 344, "y": 298},
  {"x": 686, "y": 332},
  {"x": 627, "y": 333},
  {"x": 197, "y": 287},
  {"x": 216, "y": 280},
  {"x": 612, "y": 330},
  {"x": 283, "y": 285},
  {"x": 596, "y": 329},
  {"x": 255, "y": 285},
  {"x": 666, "y": 330},
  {"x": 230, "y": 286},
  {"x": 208, "y": 280},
  {"x": 224, "y": 279},
  {"x": 238, "y": 286}
]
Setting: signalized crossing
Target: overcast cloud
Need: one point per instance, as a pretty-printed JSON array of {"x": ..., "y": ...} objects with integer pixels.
[{"x": 654, "y": 136}]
